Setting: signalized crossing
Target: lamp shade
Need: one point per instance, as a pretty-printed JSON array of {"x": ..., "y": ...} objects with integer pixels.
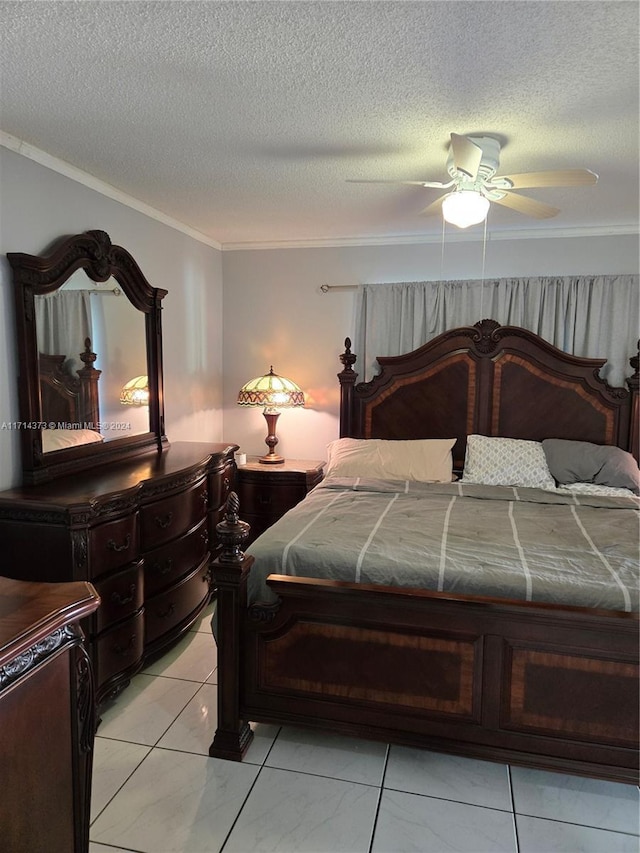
[
  {"x": 464, "y": 208},
  {"x": 135, "y": 392},
  {"x": 271, "y": 391}
]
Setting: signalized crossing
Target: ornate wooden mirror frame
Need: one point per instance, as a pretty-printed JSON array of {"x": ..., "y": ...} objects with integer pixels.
[{"x": 36, "y": 275}]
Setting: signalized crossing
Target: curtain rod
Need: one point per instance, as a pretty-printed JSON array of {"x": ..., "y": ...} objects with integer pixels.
[
  {"x": 325, "y": 288},
  {"x": 114, "y": 290}
]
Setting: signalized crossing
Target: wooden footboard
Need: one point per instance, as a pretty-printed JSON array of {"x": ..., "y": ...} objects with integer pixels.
[{"x": 539, "y": 685}]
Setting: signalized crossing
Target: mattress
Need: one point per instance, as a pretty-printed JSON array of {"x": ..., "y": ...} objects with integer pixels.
[{"x": 499, "y": 541}]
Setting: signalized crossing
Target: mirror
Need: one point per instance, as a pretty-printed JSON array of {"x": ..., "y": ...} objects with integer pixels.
[{"x": 88, "y": 323}]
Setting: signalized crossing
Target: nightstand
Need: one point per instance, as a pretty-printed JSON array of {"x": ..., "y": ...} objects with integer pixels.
[{"x": 266, "y": 492}]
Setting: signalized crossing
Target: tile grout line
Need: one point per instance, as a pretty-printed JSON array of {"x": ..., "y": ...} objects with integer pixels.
[
  {"x": 380, "y": 793},
  {"x": 513, "y": 809},
  {"x": 244, "y": 802}
]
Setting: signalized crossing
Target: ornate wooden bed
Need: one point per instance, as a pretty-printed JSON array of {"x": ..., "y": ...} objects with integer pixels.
[
  {"x": 543, "y": 685},
  {"x": 65, "y": 398}
]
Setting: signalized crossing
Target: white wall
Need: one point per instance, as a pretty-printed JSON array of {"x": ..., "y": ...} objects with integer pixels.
[
  {"x": 37, "y": 206},
  {"x": 275, "y": 313}
]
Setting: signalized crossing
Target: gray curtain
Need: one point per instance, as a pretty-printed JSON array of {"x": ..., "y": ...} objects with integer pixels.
[
  {"x": 593, "y": 316},
  {"x": 63, "y": 321}
]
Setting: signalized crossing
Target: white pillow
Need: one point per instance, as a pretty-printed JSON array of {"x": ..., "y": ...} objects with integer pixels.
[
  {"x": 596, "y": 489},
  {"x": 506, "y": 462},
  {"x": 426, "y": 460},
  {"x": 57, "y": 439}
]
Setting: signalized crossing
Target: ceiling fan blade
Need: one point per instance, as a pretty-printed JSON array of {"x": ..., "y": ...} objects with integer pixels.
[
  {"x": 435, "y": 206},
  {"x": 436, "y": 184},
  {"x": 560, "y": 178},
  {"x": 467, "y": 156},
  {"x": 528, "y": 206}
]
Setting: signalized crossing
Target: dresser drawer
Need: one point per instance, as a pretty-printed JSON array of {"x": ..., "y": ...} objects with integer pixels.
[
  {"x": 118, "y": 650},
  {"x": 168, "y": 609},
  {"x": 220, "y": 485},
  {"x": 121, "y": 594},
  {"x": 164, "y": 520},
  {"x": 168, "y": 564},
  {"x": 113, "y": 544}
]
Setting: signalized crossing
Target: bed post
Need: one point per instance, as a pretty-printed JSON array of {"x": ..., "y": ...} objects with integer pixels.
[
  {"x": 347, "y": 378},
  {"x": 633, "y": 382},
  {"x": 88, "y": 376},
  {"x": 233, "y": 735}
]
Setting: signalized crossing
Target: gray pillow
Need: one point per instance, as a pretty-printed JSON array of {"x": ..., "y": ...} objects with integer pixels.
[{"x": 583, "y": 462}]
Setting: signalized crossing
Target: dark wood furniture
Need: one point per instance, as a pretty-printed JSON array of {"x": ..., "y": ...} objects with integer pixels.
[
  {"x": 70, "y": 400},
  {"x": 266, "y": 492},
  {"x": 547, "y": 686},
  {"x": 46, "y": 716},
  {"x": 36, "y": 275},
  {"x": 142, "y": 531},
  {"x": 132, "y": 515}
]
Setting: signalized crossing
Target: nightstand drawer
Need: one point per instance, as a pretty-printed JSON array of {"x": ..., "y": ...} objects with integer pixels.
[
  {"x": 266, "y": 492},
  {"x": 264, "y": 498}
]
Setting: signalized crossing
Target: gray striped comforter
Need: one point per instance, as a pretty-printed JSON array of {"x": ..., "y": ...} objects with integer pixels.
[{"x": 526, "y": 544}]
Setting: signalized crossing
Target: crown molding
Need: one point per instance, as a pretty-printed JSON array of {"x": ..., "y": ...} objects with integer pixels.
[
  {"x": 471, "y": 236},
  {"x": 450, "y": 237},
  {"x": 105, "y": 189}
]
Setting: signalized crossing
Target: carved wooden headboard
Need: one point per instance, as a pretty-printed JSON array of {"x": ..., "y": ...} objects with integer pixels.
[
  {"x": 67, "y": 399},
  {"x": 491, "y": 380}
]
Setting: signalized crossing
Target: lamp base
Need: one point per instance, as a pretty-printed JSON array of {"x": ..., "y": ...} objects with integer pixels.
[
  {"x": 271, "y": 459},
  {"x": 271, "y": 416}
]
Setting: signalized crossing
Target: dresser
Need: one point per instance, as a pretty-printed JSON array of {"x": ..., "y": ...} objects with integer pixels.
[
  {"x": 267, "y": 491},
  {"x": 142, "y": 531},
  {"x": 46, "y": 717}
]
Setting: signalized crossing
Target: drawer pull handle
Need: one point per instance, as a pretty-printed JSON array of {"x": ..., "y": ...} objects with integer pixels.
[
  {"x": 111, "y": 545},
  {"x": 164, "y": 568},
  {"x": 164, "y": 522},
  {"x": 123, "y": 651},
  {"x": 226, "y": 482},
  {"x": 116, "y": 598},
  {"x": 264, "y": 499},
  {"x": 170, "y": 609}
]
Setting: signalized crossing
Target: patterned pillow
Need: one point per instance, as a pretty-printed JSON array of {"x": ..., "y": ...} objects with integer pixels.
[
  {"x": 595, "y": 489},
  {"x": 506, "y": 462}
]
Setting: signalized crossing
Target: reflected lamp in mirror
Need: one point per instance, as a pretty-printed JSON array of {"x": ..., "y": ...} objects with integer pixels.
[
  {"x": 135, "y": 392},
  {"x": 273, "y": 392}
]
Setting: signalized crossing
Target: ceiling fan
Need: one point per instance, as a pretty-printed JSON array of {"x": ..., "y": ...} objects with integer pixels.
[{"x": 473, "y": 163}]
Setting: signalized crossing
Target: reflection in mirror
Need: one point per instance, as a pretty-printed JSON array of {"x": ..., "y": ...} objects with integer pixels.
[
  {"x": 99, "y": 312},
  {"x": 87, "y": 322}
]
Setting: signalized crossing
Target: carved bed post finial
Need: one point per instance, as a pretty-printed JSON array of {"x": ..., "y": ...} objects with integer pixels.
[
  {"x": 232, "y": 532},
  {"x": 230, "y": 570},
  {"x": 347, "y": 358},
  {"x": 347, "y": 378}
]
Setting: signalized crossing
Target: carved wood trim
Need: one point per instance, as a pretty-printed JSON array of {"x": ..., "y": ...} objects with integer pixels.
[
  {"x": 506, "y": 359},
  {"x": 525, "y": 708},
  {"x": 458, "y": 659}
]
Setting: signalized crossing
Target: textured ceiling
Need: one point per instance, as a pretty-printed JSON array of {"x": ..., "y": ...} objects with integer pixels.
[{"x": 243, "y": 120}]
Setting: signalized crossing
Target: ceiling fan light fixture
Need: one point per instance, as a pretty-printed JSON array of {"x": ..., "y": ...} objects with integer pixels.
[{"x": 465, "y": 208}]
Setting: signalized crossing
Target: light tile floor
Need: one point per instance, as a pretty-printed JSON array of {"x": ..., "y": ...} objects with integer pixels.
[{"x": 155, "y": 790}]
